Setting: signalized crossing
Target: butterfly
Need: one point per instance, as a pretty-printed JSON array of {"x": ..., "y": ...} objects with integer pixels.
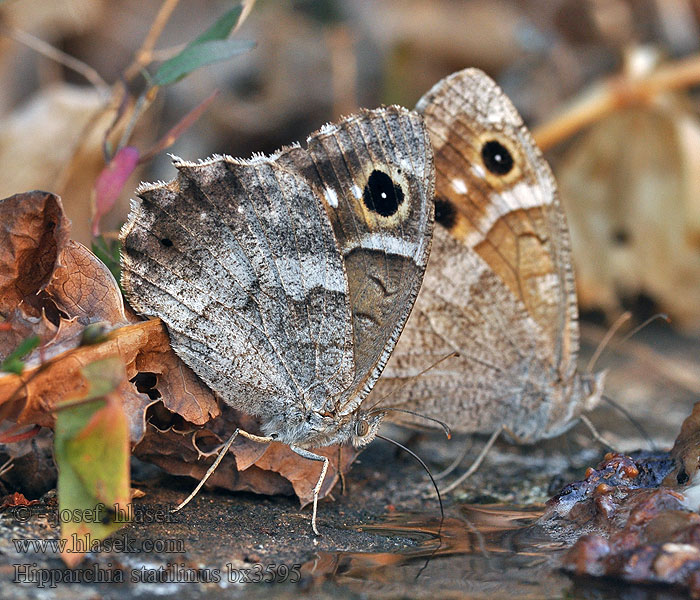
[
  {"x": 285, "y": 280},
  {"x": 497, "y": 317}
]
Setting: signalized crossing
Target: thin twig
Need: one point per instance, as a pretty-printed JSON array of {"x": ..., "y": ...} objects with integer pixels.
[
  {"x": 60, "y": 57},
  {"x": 614, "y": 93},
  {"x": 144, "y": 55}
]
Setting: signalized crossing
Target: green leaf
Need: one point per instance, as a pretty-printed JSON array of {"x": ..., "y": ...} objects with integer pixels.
[
  {"x": 199, "y": 55},
  {"x": 222, "y": 28},
  {"x": 14, "y": 363},
  {"x": 108, "y": 252},
  {"x": 91, "y": 447}
]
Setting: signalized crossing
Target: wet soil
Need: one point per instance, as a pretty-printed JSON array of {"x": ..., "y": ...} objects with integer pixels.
[{"x": 382, "y": 535}]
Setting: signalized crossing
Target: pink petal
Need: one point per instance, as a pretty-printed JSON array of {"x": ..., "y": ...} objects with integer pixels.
[{"x": 111, "y": 181}]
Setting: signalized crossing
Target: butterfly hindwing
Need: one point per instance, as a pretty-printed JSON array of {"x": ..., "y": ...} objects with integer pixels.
[{"x": 239, "y": 259}]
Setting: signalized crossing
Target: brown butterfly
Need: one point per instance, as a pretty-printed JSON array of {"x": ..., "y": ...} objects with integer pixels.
[
  {"x": 498, "y": 298},
  {"x": 285, "y": 280}
]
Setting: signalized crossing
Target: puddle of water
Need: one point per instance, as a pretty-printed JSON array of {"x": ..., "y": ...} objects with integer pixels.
[{"x": 484, "y": 551}]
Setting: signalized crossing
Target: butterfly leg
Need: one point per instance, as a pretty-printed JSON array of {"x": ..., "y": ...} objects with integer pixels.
[
  {"x": 477, "y": 463},
  {"x": 219, "y": 458},
  {"x": 456, "y": 462},
  {"x": 340, "y": 470},
  {"x": 596, "y": 434},
  {"x": 319, "y": 483}
]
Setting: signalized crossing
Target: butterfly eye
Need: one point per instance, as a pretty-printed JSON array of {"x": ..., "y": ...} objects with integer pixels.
[
  {"x": 682, "y": 476},
  {"x": 496, "y": 157},
  {"x": 382, "y": 195},
  {"x": 361, "y": 428}
]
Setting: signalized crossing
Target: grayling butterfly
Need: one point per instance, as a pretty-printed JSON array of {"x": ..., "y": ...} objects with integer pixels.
[
  {"x": 498, "y": 298},
  {"x": 285, "y": 280}
]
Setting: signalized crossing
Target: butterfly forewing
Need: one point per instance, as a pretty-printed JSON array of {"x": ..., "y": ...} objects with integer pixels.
[
  {"x": 510, "y": 216},
  {"x": 375, "y": 174}
]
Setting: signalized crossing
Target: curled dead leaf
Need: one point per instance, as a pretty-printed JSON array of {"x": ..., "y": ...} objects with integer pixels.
[
  {"x": 84, "y": 287},
  {"x": 33, "y": 231},
  {"x": 260, "y": 468},
  {"x": 35, "y": 394}
]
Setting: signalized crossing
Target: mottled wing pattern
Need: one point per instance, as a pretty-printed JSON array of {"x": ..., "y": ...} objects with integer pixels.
[
  {"x": 240, "y": 260},
  {"x": 499, "y": 288},
  {"x": 515, "y": 221},
  {"x": 465, "y": 308},
  {"x": 376, "y": 177}
]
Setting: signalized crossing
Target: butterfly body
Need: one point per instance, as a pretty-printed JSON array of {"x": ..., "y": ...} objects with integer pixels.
[{"x": 499, "y": 289}]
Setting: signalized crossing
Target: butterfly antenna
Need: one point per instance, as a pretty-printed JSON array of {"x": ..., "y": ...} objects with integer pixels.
[
  {"x": 437, "y": 491},
  {"x": 638, "y": 426},
  {"x": 621, "y": 320},
  {"x": 445, "y": 426},
  {"x": 410, "y": 379},
  {"x": 596, "y": 434},
  {"x": 604, "y": 342},
  {"x": 427, "y": 470}
]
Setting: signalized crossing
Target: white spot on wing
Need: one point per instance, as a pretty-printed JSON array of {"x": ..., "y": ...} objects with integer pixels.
[
  {"x": 356, "y": 191},
  {"x": 331, "y": 197},
  {"x": 459, "y": 186},
  {"x": 523, "y": 195}
]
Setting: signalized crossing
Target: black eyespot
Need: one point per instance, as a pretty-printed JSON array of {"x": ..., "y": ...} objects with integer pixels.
[
  {"x": 361, "y": 428},
  {"x": 445, "y": 213},
  {"x": 682, "y": 476},
  {"x": 621, "y": 237},
  {"x": 382, "y": 195},
  {"x": 496, "y": 157},
  {"x": 167, "y": 242}
]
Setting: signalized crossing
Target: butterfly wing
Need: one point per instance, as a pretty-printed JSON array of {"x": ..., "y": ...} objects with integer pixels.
[
  {"x": 240, "y": 261},
  {"x": 499, "y": 289},
  {"x": 286, "y": 280},
  {"x": 375, "y": 174}
]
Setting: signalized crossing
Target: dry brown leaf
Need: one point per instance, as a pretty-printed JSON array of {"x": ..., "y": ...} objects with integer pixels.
[
  {"x": 34, "y": 394},
  {"x": 18, "y": 326},
  {"x": 260, "y": 468},
  {"x": 84, "y": 287},
  {"x": 33, "y": 230},
  {"x": 53, "y": 141},
  {"x": 630, "y": 188}
]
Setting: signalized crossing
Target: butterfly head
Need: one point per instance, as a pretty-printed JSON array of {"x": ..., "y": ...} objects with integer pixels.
[
  {"x": 581, "y": 397},
  {"x": 365, "y": 427},
  {"x": 315, "y": 429}
]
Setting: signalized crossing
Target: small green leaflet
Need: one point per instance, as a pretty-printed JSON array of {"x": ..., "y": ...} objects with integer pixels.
[
  {"x": 14, "y": 363},
  {"x": 210, "y": 47}
]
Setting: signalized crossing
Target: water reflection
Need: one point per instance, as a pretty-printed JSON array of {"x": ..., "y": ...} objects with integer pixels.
[{"x": 483, "y": 551}]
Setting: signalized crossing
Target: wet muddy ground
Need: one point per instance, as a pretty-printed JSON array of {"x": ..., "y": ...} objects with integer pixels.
[{"x": 382, "y": 535}]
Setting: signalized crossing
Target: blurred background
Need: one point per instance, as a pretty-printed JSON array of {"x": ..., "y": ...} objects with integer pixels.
[{"x": 607, "y": 86}]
